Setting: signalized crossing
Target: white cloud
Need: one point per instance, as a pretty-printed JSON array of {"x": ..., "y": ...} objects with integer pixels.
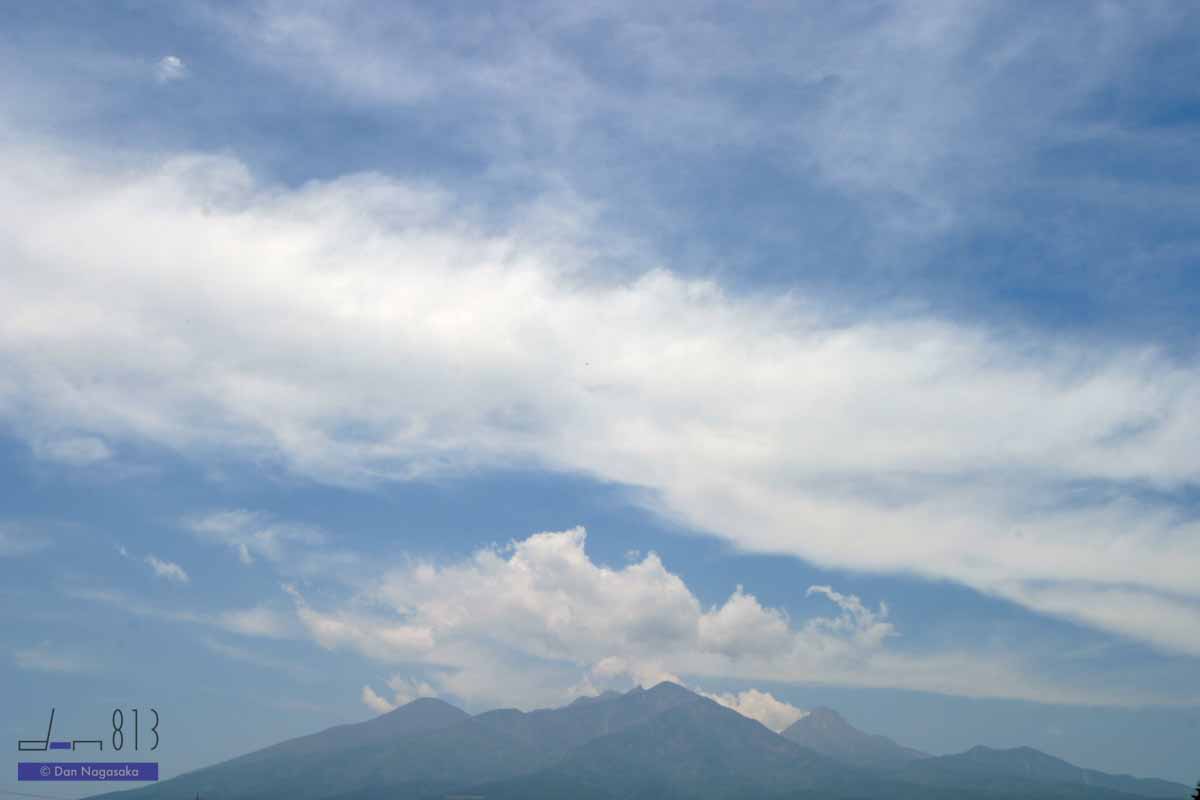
[
  {"x": 762, "y": 706},
  {"x": 743, "y": 626},
  {"x": 868, "y": 627},
  {"x": 374, "y": 702},
  {"x": 1171, "y": 624},
  {"x": 250, "y": 535},
  {"x": 539, "y": 622},
  {"x": 918, "y": 446},
  {"x": 168, "y": 570},
  {"x": 376, "y": 637},
  {"x": 404, "y": 690},
  {"x": 895, "y": 110},
  {"x": 170, "y": 68},
  {"x": 617, "y": 671}
]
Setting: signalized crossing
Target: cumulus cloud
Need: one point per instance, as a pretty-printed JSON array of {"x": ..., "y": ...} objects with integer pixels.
[
  {"x": 868, "y": 627},
  {"x": 762, "y": 706},
  {"x": 170, "y": 68},
  {"x": 374, "y": 702},
  {"x": 167, "y": 570},
  {"x": 539, "y": 620},
  {"x": 921, "y": 446},
  {"x": 377, "y": 637}
]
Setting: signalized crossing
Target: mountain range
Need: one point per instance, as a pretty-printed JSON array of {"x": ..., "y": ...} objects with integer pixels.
[{"x": 664, "y": 742}]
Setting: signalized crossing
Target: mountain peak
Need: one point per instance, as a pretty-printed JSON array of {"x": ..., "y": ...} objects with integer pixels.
[
  {"x": 986, "y": 766},
  {"x": 825, "y": 716},
  {"x": 424, "y": 705},
  {"x": 827, "y": 721},
  {"x": 669, "y": 687},
  {"x": 608, "y": 694},
  {"x": 422, "y": 702},
  {"x": 824, "y": 711},
  {"x": 424, "y": 713},
  {"x": 827, "y": 732}
]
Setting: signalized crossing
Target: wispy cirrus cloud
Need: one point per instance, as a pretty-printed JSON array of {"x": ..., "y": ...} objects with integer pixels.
[
  {"x": 296, "y": 549},
  {"x": 923, "y": 113},
  {"x": 251, "y": 534},
  {"x": 256, "y": 621},
  {"x": 167, "y": 570},
  {"x": 161, "y": 568},
  {"x": 48, "y": 657},
  {"x": 245, "y": 655},
  {"x": 920, "y": 446}
]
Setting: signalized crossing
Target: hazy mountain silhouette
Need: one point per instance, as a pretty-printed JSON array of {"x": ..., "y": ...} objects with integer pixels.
[
  {"x": 696, "y": 749},
  {"x": 987, "y": 768},
  {"x": 824, "y": 731},
  {"x": 423, "y": 714},
  {"x": 664, "y": 742}
]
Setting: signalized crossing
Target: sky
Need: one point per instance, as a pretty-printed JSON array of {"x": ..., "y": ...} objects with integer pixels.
[{"x": 823, "y": 354}]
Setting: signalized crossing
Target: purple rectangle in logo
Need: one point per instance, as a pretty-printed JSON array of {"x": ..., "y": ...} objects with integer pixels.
[{"x": 87, "y": 771}]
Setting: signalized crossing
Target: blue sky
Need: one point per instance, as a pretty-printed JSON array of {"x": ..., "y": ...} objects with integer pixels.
[{"x": 838, "y": 355}]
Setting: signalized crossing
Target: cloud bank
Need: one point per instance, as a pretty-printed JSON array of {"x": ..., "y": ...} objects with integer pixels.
[
  {"x": 538, "y": 622},
  {"x": 363, "y": 330}
]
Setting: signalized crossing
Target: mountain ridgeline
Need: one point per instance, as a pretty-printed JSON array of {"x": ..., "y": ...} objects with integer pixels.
[
  {"x": 824, "y": 731},
  {"x": 657, "y": 744}
]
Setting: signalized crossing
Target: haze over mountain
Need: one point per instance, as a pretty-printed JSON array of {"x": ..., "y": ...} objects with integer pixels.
[
  {"x": 422, "y": 714},
  {"x": 824, "y": 731},
  {"x": 647, "y": 743},
  {"x": 356, "y": 351},
  {"x": 985, "y": 768}
]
